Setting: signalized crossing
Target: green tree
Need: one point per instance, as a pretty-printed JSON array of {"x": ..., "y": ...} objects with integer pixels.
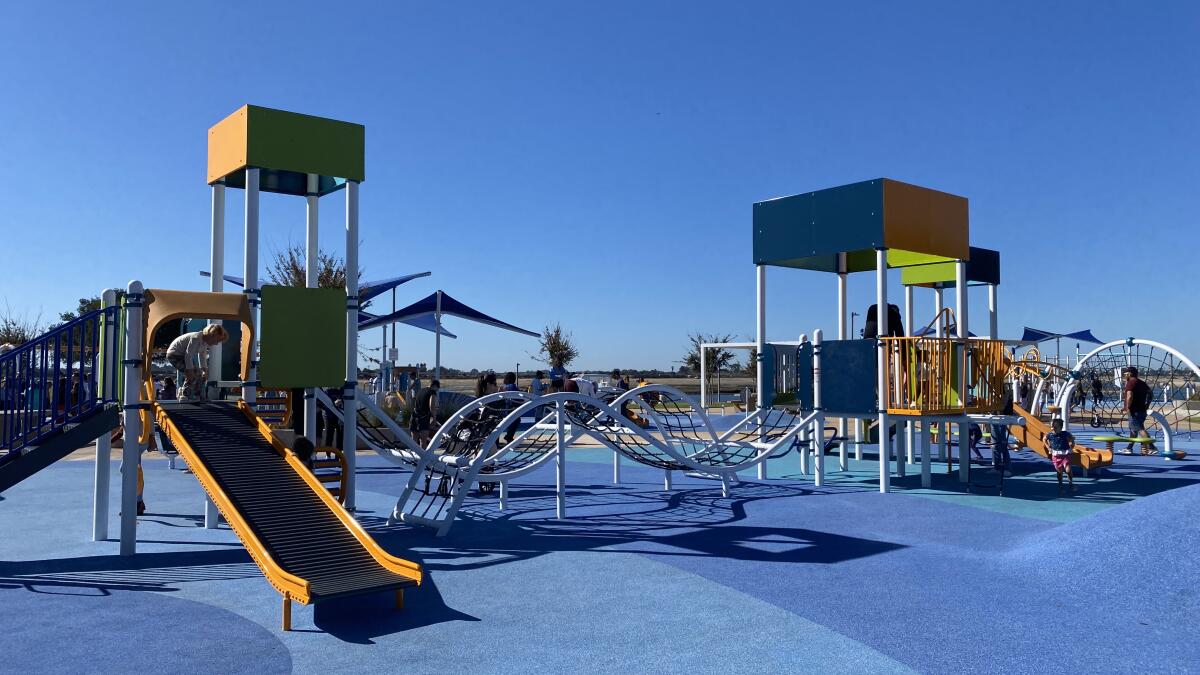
[
  {"x": 717, "y": 358},
  {"x": 85, "y": 305},
  {"x": 287, "y": 269},
  {"x": 556, "y": 347}
]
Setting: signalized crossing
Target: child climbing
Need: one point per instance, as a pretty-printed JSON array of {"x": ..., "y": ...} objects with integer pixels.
[{"x": 1060, "y": 443}]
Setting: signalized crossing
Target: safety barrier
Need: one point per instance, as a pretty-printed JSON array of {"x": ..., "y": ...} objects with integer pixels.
[{"x": 924, "y": 377}]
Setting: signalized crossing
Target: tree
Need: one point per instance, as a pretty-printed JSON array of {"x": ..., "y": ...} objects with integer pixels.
[
  {"x": 85, "y": 305},
  {"x": 555, "y": 347},
  {"x": 18, "y": 329},
  {"x": 716, "y": 359},
  {"x": 287, "y": 269},
  {"x": 752, "y": 362}
]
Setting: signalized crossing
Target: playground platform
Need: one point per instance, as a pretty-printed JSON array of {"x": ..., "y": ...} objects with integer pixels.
[{"x": 779, "y": 577}]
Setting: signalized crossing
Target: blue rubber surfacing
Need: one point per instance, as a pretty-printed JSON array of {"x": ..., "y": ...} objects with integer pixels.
[{"x": 781, "y": 575}]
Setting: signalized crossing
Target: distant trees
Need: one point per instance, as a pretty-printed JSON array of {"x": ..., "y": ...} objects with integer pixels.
[
  {"x": 717, "y": 358},
  {"x": 17, "y": 329}
]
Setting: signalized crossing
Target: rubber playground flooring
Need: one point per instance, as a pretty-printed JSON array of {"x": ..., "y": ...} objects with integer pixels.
[{"x": 780, "y": 575}]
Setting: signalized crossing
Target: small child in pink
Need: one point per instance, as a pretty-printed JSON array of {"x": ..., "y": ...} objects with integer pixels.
[{"x": 1059, "y": 443}]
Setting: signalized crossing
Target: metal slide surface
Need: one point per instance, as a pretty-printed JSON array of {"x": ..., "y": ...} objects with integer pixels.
[
  {"x": 307, "y": 545},
  {"x": 1033, "y": 434}
]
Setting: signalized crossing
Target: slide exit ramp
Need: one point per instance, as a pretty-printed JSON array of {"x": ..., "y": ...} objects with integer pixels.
[{"x": 306, "y": 543}]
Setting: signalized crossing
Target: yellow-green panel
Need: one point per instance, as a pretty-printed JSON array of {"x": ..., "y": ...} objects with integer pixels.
[
  {"x": 303, "y": 337},
  {"x": 289, "y": 141},
  {"x": 286, "y": 147}
]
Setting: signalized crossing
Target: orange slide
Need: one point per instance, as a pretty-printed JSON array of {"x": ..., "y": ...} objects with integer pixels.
[{"x": 1033, "y": 434}]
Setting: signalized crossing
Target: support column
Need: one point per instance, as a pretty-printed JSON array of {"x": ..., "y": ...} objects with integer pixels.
[
  {"x": 939, "y": 331},
  {"x": 250, "y": 272},
  {"x": 993, "y": 317},
  {"x": 881, "y": 315},
  {"x": 560, "y": 462},
  {"x": 437, "y": 337},
  {"x": 350, "y": 405},
  {"x": 819, "y": 422},
  {"x": 106, "y": 377},
  {"x": 910, "y": 427},
  {"x": 216, "y": 267},
  {"x": 760, "y": 330},
  {"x": 841, "y": 335},
  {"x": 964, "y": 431},
  {"x": 216, "y": 284},
  {"x": 131, "y": 453},
  {"x": 704, "y": 379},
  {"x": 311, "y": 272}
]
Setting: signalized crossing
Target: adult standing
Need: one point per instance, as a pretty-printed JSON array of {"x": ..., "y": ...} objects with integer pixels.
[
  {"x": 1137, "y": 399},
  {"x": 1097, "y": 392},
  {"x": 425, "y": 411}
]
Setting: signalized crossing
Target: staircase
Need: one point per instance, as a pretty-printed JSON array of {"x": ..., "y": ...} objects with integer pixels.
[{"x": 52, "y": 394}]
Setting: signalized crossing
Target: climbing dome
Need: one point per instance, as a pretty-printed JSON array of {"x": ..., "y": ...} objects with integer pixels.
[{"x": 1173, "y": 378}]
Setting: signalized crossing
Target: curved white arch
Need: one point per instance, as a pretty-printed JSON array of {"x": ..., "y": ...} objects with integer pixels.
[{"x": 1075, "y": 374}]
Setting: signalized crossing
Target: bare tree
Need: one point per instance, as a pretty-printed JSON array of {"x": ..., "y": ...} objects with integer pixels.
[
  {"x": 718, "y": 358},
  {"x": 17, "y": 329},
  {"x": 287, "y": 269},
  {"x": 556, "y": 347}
]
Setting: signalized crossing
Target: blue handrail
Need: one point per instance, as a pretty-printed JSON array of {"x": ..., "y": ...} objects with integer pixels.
[{"x": 55, "y": 380}]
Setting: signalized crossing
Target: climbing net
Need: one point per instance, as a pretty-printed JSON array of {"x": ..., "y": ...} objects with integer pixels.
[{"x": 1173, "y": 380}]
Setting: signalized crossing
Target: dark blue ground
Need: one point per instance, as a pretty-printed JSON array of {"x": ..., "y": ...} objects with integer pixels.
[{"x": 781, "y": 575}]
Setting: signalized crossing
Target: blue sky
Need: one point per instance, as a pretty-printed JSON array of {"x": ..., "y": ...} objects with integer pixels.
[{"x": 595, "y": 163}]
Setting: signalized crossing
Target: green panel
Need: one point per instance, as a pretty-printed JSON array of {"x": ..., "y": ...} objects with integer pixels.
[
  {"x": 303, "y": 337},
  {"x": 899, "y": 258},
  {"x": 809, "y": 230},
  {"x": 302, "y": 144},
  {"x": 982, "y": 268}
]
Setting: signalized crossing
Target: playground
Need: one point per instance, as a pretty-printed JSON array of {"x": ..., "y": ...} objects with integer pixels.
[{"x": 834, "y": 521}]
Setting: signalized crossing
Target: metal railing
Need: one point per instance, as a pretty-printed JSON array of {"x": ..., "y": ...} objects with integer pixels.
[
  {"x": 925, "y": 376},
  {"x": 55, "y": 380}
]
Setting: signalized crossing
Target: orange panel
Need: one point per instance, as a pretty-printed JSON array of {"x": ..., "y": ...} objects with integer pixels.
[
  {"x": 925, "y": 221},
  {"x": 227, "y": 143}
]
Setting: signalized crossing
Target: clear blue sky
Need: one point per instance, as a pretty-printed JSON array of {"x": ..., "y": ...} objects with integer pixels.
[{"x": 595, "y": 163}]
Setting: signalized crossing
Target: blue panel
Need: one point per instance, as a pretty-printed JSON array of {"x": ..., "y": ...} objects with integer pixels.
[
  {"x": 767, "y": 357},
  {"x": 848, "y": 375},
  {"x": 809, "y": 230}
]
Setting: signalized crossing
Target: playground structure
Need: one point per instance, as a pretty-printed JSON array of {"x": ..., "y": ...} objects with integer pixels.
[
  {"x": 67, "y": 388},
  {"x": 921, "y": 381}
]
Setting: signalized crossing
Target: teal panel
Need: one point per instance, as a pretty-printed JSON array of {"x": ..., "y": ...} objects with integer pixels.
[
  {"x": 809, "y": 230},
  {"x": 849, "y": 372},
  {"x": 303, "y": 337}
]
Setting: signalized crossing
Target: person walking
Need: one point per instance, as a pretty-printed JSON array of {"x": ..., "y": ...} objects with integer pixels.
[{"x": 1137, "y": 400}]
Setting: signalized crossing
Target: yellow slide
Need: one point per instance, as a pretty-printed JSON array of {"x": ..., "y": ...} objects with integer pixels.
[{"x": 1033, "y": 436}]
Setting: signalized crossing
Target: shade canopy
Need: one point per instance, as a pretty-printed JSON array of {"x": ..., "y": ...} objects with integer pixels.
[
  {"x": 424, "y": 322},
  {"x": 983, "y": 268},
  {"x": 1038, "y": 335},
  {"x": 367, "y": 289},
  {"x": 839, "y": 229},
  {"x": 428, "y": 306}
]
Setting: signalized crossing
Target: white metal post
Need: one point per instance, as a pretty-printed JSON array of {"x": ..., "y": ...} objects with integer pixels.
[
  {"x": 131, "y": 453},
  {"x": 938, "y": 331},
  {"x": 843, "y": 463},
  {"x": 560, "y": 462},
  {"x": 350, "y": 424},
  {"x": 760, "y": 330},
  {"x": 250, "y": 271},
  {"x": 704, "y": 379},
  {"x": 818, "y": 444},
  {"x": 964, "y": 431},
  {"x": 993, "y": 317},
  {"x": 437, "y": 337},
  {"x": 216, "y": 266},
  {"x": 216, "y": 284},
  {"x": 909, "y": 426},
  {"x": 311, "y": 255},
  {"x": 926, "y": 461},
  {"x": 881, "y": 316},
  {"x": 107, "y": 378}
]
